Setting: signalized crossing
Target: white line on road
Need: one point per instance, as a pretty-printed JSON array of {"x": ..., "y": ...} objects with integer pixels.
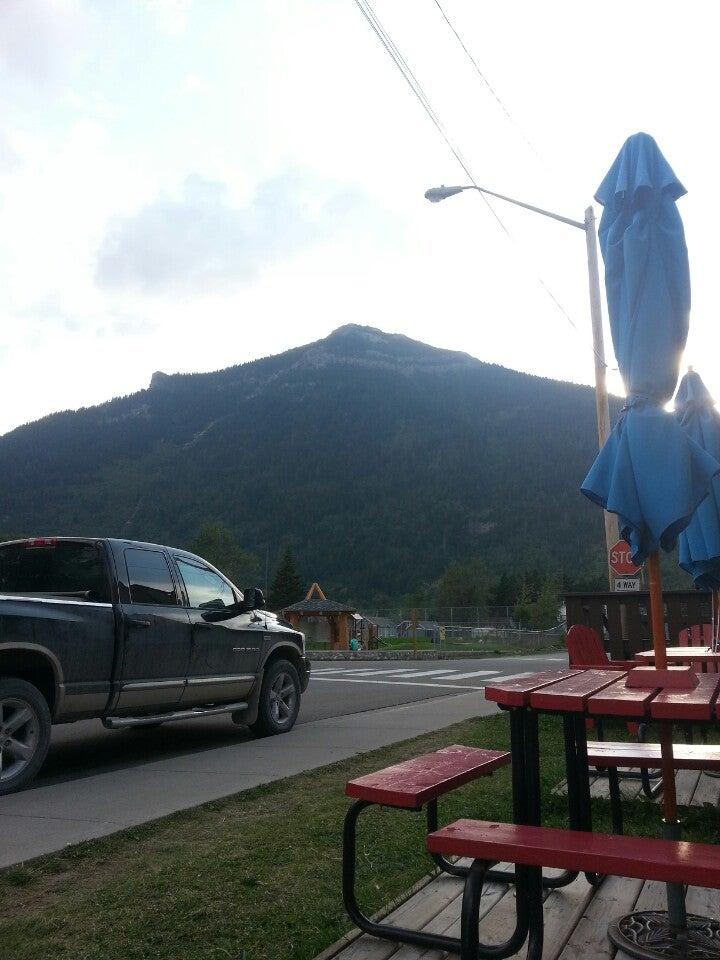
[
  {"x": 368, "y": 672},
  {"x": 402, "y": 674},
  {"x": 475, "y": 673},
  {"x": 420, "y": 673},
  {"x": 391, "y": 673},
  {"x": 401, "y": 683},
  {"x": 514, "y": 676}
]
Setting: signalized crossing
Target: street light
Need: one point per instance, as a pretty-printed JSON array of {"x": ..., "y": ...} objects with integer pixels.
[{"x": 602, "y": 408}]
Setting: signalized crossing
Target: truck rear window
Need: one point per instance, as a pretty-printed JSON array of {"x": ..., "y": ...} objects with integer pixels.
[{"x": 65, "y": 569}]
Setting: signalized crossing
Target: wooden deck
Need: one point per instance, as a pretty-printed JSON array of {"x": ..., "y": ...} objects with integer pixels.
[
  {"x": 576, "y": 917},
  {"x": 694, "y": 789}
]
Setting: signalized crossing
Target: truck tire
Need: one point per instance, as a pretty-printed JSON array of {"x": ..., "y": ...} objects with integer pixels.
[
  {"x": 279, "y": 700},
  {"x": 25, "y": 725}
]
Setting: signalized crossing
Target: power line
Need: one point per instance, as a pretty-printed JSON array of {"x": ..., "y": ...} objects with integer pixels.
[
  {"x": 401, "y": 63},
  {"x": 487, "y": 83}
]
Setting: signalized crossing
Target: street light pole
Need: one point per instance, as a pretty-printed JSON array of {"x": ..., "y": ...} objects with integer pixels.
[{"x": 602, "y": 407}]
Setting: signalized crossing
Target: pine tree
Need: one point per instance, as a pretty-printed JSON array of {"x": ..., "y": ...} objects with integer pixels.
[{"x": 286, "y": 586}]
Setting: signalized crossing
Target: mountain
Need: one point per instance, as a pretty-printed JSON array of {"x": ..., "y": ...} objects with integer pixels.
[{"x": 379, "y": 458}]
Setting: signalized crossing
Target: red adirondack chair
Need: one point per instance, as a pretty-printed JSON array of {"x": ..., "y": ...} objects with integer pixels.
[
  {"x": 699, "y": 635},
  {"x": 586, "y": 651}
]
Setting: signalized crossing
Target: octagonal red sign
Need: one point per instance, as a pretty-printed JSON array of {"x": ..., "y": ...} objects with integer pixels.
[{"x": 621, "y": 560}]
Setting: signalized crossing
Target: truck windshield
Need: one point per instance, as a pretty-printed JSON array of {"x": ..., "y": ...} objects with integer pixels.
[{"x": 64, "y": 568}]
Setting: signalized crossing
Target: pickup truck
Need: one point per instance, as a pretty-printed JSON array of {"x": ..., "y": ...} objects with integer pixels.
[{"x": 137, "y": 635}]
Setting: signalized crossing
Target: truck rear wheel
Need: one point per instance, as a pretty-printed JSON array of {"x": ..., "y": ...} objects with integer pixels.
[
  {"x": 279, "y": 702},
  {"x": 25, "y": 725}
]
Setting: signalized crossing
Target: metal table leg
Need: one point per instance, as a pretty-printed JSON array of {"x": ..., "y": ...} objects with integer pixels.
[{"x": 526, "y": 790}]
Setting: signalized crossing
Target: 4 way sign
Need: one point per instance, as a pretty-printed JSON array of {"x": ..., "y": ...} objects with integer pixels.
[{"x": 621, "y": 564}]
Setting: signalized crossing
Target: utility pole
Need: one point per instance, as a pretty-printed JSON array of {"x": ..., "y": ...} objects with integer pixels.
[{"x": 602, "y": 405}]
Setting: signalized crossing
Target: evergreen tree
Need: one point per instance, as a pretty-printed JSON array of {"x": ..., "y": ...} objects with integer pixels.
[
  {"x": 506, "y": 591},
  {"x": 286, "y": 586}
]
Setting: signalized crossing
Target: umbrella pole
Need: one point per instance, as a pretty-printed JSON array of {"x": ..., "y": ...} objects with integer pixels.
[{"x": 671, "y": 824}]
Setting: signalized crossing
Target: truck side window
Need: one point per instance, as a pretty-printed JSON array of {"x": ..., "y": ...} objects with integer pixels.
[
  {"x": 205, "y": 589},
  {"x": 149, "y": 577},
  {"x": 67, "y": 569}
]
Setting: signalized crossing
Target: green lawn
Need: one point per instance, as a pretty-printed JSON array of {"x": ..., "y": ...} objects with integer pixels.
[{"x": 257, "y": 876}]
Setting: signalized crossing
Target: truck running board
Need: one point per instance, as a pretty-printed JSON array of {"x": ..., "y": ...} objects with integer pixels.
[{"x": 148, "y": 720}]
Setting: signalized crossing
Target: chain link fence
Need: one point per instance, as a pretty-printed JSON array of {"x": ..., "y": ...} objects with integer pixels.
[{"x": 473, "y": 630}]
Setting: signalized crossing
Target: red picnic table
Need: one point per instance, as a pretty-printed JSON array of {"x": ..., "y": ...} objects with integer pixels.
[{"x": 578, "y": 696}]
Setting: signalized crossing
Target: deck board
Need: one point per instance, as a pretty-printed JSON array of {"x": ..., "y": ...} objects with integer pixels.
[
  {"x": 576, "y": 918},
  {"x": 708, "y": 791},
  {"x": 616, "y": 897},
  {"x": 416, "y": 912},
  {"x": 694, "y": 789}
]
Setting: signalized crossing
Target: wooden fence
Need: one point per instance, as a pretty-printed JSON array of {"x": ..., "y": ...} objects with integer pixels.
[{"x": 621, "y": 619}]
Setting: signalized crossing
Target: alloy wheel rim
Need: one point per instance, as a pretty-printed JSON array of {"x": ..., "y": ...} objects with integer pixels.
[
  {"x": 282, "y": 699},
  {"x": 19, "y": 736}
]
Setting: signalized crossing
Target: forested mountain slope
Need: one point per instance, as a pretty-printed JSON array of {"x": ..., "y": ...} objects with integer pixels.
[{"x": 379, "y": 458}]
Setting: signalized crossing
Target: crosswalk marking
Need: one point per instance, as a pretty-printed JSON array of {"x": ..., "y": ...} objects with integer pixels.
[
  {"x": 422, "y": 673},
  {"x": 514, "y": 676},
  {"x": 400, "y": 683},
  {"x": 406, "y": 676},
  {"x": 475, "y": 673}
]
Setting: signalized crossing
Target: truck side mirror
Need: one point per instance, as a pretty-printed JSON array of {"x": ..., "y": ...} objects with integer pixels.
[{"x": 254, "y": 599}]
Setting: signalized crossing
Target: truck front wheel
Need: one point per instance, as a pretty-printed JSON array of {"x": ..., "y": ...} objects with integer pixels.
[
  {"x": 279, "y": 700},
  {"x": 24, "y": 733}
]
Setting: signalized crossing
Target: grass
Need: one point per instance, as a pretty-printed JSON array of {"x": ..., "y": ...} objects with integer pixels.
[{"x": 257, "y": 876}]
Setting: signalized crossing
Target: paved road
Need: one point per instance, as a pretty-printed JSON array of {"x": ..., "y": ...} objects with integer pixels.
[
  {"x": 342, "y": 688},
  {"x": 96, "y": 781}
]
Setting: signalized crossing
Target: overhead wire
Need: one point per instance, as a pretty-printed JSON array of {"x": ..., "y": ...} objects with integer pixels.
[
  {"x": 484, "y": 79},
  {"x": 410, "y": 78}
]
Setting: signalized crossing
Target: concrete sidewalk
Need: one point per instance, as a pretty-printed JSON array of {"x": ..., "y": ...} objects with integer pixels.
[{"x": 48, "y": 818}]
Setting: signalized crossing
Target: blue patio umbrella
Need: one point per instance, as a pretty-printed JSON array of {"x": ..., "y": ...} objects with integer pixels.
[
  {"x": 650, "y": 472},
  {"x": 699, "y": 543}
]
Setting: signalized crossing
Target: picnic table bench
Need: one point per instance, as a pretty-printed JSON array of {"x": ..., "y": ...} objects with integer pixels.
[
  {"x": 533, "y": 847},
  {"x": 611, "y": 755},
  {"x": 412, "y": 785}
]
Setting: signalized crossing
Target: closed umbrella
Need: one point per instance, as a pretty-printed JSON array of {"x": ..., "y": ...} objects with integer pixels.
[
  {"x": 699, "y": 543},
  {"x": 650, "y": 472}
]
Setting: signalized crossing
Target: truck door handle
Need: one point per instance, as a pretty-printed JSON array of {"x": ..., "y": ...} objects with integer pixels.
[{"x": 137, "y": 622}]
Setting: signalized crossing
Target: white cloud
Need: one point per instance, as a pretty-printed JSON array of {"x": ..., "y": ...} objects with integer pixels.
[
  {"x": 200, "y": 238},
  {"x": 40, "y": 39}
]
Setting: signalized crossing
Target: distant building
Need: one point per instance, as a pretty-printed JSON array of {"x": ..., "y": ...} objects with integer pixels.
[
  {"x": 426, "y": 629},
  {"x": 324, "y": 622}
]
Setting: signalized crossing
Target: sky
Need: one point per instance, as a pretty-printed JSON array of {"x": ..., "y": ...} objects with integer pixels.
[{"x": 191, "y": 184}]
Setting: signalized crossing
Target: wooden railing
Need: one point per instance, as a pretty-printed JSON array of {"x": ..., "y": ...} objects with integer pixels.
[{"x": 621, "y": 619}]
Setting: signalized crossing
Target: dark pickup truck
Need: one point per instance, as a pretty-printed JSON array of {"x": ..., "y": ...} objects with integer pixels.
[{"x": 137, "y": 635}]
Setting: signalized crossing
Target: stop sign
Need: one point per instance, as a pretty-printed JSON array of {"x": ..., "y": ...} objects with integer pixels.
[{"x": 621, "y": 559}]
